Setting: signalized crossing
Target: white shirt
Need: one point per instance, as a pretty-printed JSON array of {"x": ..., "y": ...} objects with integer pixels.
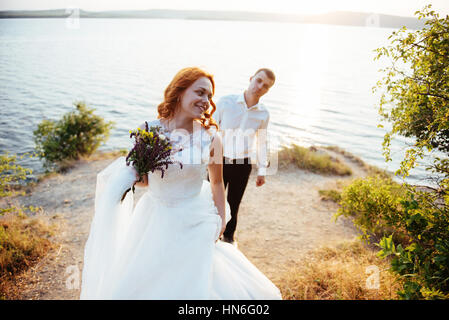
[{"x": 243, "y": 130}]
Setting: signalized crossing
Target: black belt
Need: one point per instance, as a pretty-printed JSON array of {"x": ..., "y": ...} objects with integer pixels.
[{"x": 227, "y": 160}]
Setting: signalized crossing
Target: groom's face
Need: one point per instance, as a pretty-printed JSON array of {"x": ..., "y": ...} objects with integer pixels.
[{"x": 259, "y": 84}]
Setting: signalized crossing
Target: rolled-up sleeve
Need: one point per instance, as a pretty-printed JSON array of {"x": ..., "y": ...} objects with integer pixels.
[{"x": 262, "y": 148}]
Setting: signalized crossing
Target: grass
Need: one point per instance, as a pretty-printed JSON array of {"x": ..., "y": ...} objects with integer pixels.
[
  {"x": 102, "y": 155},
  {"x": 67, "y": 164},
  {"x": 340, "y": 273},
  {"x": 312, "y": 160},
  {"x": 23, "y": 240},
  {"x": 335, "y": 194},
  {"x": 370, "y": 169},
  {"x": 330, "y": 195}
]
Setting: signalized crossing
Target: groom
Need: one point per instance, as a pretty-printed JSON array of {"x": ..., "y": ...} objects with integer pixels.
[{"x": 243, "y": 123}]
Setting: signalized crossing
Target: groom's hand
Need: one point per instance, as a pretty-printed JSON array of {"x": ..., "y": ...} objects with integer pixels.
[{"x": 260, "y": 181}]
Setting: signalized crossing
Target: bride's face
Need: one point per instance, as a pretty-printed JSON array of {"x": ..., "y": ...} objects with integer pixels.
[{"x": 196, "y": 98}]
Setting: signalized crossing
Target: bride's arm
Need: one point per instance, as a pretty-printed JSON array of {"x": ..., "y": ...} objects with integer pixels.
[{"x": 215, "y": 168}]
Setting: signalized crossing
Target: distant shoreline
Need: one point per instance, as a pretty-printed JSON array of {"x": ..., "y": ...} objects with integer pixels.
[{"x": 333, "y": 18}]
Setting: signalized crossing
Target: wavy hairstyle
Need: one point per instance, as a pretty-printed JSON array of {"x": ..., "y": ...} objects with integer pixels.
[{"x": 173, "y": 93}]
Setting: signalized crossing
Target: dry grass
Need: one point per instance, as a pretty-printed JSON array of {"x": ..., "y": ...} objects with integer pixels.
[
  {"x": 335, "y": 194},
  {"x": 370, "y": 169},
  {"x": 23, "y": 240},
  {"x": 339, "y": 274},
  {"x": 67, "y": 164},
  {"x": 330, "y": 195},
  {"x": 347, "y": 154},
  {"x": 312, "y": 160},
  {"x": 103, "y": 155}
]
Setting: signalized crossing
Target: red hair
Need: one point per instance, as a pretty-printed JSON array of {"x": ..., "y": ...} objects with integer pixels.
[{"x": 172, "y": 95}]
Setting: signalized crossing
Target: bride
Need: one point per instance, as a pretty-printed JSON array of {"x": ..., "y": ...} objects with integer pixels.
[{"x": 166, "y": 247}]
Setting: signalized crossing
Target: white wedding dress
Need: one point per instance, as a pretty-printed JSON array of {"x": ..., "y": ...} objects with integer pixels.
[{"x": 165, "y": 248}]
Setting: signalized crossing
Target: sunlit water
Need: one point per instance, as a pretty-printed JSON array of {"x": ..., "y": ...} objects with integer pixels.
[{"x": 322, "y": 96}]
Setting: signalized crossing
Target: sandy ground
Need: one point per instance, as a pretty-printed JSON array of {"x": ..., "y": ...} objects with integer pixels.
[{"x": 279, "y": 223}]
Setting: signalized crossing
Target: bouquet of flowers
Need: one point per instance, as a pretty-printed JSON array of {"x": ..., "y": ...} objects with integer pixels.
[{"x": 151, "y": 152}]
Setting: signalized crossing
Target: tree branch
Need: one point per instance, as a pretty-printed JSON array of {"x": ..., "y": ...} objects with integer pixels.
[{"x": 433, "y": 95}]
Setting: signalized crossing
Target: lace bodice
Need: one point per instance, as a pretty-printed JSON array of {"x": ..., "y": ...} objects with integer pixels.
[{"x": 182, "y": 183}]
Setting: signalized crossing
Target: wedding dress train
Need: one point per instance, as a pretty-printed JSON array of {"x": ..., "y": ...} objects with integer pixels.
[{"x": 165, "y": 247}]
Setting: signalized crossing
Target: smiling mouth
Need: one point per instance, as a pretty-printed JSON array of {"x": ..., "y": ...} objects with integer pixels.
[{"x": 202, "y": 108}]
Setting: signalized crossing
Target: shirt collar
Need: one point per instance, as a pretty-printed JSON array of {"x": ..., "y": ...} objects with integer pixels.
[{"x": 241, "y": 100}]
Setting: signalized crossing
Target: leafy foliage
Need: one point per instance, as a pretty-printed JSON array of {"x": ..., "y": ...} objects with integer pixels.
[
  {"x": 10, "y": 174},
  {"x": 424, "y": 262},
  {"x": 414, "y": 223},
  {"x": 416, "y": 84},
  {"x": 413, "y": 227},
  {"x": 374, "y": 203},
  {"x": 77, "y": 134}
]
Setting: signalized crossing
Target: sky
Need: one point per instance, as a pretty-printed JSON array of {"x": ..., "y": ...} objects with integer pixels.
[{"x": 393, "y": 7}]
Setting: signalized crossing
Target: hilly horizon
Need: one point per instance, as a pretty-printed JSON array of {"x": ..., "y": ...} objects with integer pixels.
[{"x": 335, "y": 18}]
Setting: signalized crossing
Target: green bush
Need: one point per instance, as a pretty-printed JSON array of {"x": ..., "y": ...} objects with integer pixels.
[
  {"x": 78, "y": 133},
  {"x": 413, "y": 227},
  {"x": 11, "y": 174},
  {"x": 374, "y": 203},
  {"x": 424, "y": 263},
  {"x": 415, "y": 88},
  {"x": 415, "y": 101}
]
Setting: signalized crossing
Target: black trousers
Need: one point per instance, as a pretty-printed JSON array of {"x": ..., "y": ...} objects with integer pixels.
[{"x": 235, "y": 177}]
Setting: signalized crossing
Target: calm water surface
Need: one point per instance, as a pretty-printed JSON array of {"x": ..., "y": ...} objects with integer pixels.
[{"x": 322, "y": 96}]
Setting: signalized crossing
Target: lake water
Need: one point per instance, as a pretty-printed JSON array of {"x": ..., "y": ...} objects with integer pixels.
[{"x": 322, "y": 96}]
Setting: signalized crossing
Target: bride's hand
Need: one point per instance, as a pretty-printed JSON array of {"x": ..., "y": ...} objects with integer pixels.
[
  {"x": 143, "y": 182},
  {"x": 140, "y": 182},
  {"x": 223, "y": 228}
]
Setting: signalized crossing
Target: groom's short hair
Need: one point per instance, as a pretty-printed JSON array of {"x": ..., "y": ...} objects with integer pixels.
[{"x": 268, "y": 72}]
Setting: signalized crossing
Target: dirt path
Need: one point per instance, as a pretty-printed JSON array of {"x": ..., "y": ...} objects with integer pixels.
[{"x": 279, "y": 223}]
